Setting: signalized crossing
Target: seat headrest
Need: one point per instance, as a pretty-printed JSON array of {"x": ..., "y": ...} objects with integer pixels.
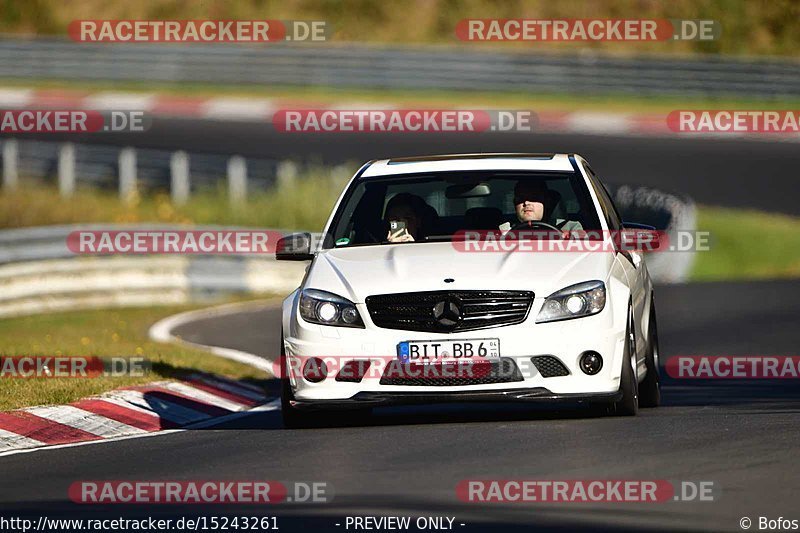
[{"x": 483, "y": 218}]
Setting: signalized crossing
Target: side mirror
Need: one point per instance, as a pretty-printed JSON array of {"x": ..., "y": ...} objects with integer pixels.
[
  {"x": 295, "y": 247},
  {"x": 641, "y": 237}
]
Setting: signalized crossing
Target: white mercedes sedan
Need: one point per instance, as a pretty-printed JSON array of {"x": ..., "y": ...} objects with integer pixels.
[{"x": 469, "y": 278}]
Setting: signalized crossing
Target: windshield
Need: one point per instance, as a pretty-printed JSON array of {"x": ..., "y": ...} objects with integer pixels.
[{"x": 431, "y": 207}]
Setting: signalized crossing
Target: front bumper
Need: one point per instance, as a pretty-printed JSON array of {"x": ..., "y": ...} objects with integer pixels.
[
  {"x": 386, "y": 399},
  {"x": 603, "y": 333}
]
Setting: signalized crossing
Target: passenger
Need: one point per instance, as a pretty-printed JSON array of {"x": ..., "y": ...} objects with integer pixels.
[{"x": 409, "y": 209}]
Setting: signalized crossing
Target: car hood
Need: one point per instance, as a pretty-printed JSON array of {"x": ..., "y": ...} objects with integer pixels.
[{"x": 358, "y": 272}]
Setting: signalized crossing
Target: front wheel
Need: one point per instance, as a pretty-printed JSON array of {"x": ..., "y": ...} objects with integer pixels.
[
  {"x": 628, "y": 405},
  {"x": 650, "y": 389}
]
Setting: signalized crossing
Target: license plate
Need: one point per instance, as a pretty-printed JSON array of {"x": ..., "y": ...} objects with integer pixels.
[{"x": 433, "y": 352}]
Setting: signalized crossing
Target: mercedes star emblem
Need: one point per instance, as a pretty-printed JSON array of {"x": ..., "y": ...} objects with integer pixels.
[{"x": 447, "y": 312}]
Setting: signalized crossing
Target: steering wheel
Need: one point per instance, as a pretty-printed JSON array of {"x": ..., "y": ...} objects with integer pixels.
[{"x": 533, "y": 224}]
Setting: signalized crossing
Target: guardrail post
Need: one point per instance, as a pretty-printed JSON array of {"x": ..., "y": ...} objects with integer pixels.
[
  {"x": 237, "y": 180},
  {"x": 127, "y": 173},
  {"x": 10, "y": 154},
  {"x": 179, "y": 171},
  {"x": 66, "y": 170},
  {"x": 286, "y": 173}
]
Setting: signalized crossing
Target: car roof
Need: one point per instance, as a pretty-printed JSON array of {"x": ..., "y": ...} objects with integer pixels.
[{"x": 478, "y": 161}]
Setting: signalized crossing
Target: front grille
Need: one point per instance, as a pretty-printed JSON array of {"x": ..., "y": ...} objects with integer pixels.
[
  {"x": 549, "y": 366},
  {"x": 451, "y": 375},
  {"x": 414, "y": 311}
]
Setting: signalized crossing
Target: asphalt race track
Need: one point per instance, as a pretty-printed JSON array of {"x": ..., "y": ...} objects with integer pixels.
[
  {"x": 727, "y": 172},
  {"x": 741, "y": 435}
]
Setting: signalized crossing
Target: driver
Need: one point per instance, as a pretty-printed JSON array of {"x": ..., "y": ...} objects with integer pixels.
[{"x": 530, "y": 197}]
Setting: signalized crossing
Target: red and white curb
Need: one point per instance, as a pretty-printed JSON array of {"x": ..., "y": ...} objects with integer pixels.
[
  {"x": 262, "y": 110},
  {"x": 129, "y": 412},
  {"x": 225, "y": 108},
  {"x": 197, "y": 401}
]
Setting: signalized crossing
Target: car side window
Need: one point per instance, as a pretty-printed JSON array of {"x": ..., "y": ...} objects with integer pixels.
[{"x": 606, "y": 204}]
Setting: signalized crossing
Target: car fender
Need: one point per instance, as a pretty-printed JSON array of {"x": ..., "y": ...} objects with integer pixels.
[
  {"x": 618, "y": 298},
  {"x": 288, "y": 307}
]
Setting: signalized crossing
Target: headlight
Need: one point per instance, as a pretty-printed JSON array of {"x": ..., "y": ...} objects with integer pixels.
[
  {"x": 320, "y": 307},
  {"x": 575, "y": 301}
]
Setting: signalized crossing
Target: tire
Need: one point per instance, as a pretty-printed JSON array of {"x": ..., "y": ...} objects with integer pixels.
[
  {"x": 628, "y": 405},
  {"x": 650, "y": 388}
]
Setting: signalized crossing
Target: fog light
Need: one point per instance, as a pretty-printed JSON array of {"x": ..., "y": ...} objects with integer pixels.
[
  {"x": 591, "y": 363},
  {"x": 315, "y": 370}
]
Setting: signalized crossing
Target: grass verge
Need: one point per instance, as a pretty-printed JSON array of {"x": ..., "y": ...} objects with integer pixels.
[
  {"x": 289, "y": 208},
  {"x": 747, "y": 244},
  {"x": 104, "y": 333}
]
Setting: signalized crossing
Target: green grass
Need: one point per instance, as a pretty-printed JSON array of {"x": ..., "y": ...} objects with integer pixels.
[
  {"x": 747, "y": 244},
  {"x": 103, "y": 333},
  {"x": 538, "y": 102},
  {"x": 764, "y": 27},
  {"x": 306, "y": 204}
]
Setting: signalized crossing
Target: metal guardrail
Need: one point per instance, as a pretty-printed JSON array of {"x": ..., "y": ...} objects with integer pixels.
[
  {"x": 50, "y": 242},
  {"x": 39, "y": 274},
  {"x": 104, "y": 167},
  {"x": 93, "y": 282},
  {"x": 349, "y": 65}
]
